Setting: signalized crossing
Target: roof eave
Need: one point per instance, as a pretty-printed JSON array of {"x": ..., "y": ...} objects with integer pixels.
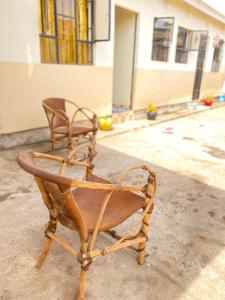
[{"x": 206, "y": 9}]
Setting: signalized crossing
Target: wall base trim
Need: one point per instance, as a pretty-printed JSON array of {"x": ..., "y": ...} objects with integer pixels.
[
  {"x": 162, "y": 109},
  {"x": 20, "y": 138}
]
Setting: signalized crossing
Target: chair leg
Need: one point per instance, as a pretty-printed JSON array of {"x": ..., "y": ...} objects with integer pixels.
[
  {"x": 83, "y": 279},
  {"x": 144, "y": 232},
  {"x": 53, "y": 144},
  {"x": 93, "y": 142},
  {"x": 70, "y": 144},
  {"x": 44, "y": 253}
]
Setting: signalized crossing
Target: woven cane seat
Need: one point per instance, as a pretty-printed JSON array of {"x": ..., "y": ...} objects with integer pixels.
[
  {"x": 121, "y": 205},
  {"x": 76, "y": 131}
]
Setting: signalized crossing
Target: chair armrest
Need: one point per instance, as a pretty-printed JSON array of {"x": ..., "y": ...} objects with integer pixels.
[
  {"x": 149, "y": 188},
  {"x": 83, "y": 110},
  {"x": 107, "y": 186},
  {"x": 124, "y": 174},
  {"x": 93, "y": 119},
  {"x": 59, "y": 159},
  {"x": 72, "y": 103}
]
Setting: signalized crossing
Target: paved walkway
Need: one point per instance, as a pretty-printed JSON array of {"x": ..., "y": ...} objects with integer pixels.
[{"x": 187, "y": 234}]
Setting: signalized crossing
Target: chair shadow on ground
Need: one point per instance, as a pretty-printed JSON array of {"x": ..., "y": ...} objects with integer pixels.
[{"x": 186, "y": 240}]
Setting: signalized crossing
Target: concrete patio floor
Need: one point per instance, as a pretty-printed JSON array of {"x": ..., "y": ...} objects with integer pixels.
[{"x": 187, "y": 232}]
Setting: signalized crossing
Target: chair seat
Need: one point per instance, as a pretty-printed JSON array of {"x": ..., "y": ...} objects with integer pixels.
[
  {"x": 121, "y": 205},
  {"x": 75, "y": 130}
]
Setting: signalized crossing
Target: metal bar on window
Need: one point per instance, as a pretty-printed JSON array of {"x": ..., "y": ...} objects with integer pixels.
[
  {"x": 47, "y": 36},
  {"x": 56, "y": 31},
  {"x": 75, "y": 30},
  {"x": 42, "y": 16},
  {"x": 65, "y": 16}
]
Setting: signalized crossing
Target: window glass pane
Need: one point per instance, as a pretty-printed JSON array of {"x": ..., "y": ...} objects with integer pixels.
[
  {"x": 66, "y": 7},
  {"x": 217, "y": 56},
  {"x": 66, "y": 40},
  {"x": 163, "y": 31},
  {"x": 102, "y": 19},
  {"x": 183, "y": 44},
  {"x": 162, "y": 35},
  {"x": 83, "y": 18},
  {"x": 84, "y": 53},
  {"x": 160, "y": 53},
  {"x": 47, "y": 20},
  {"x": 48, "y": 50},
  {"x": 183, "y": 38}
]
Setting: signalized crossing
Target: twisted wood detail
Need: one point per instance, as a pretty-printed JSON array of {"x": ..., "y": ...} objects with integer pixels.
[{"x": 62, "y": 206}]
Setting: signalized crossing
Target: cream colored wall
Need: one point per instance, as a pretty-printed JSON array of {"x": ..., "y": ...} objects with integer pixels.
[
  {"x": 123, "y": 56},
  {"x": 161, "y": 87},
  {"x": 185, "y": 16},
  {"x": 24, "y": 86},
  {"x": 211, "y": 83},
  {"x": 19, "y": 37}
]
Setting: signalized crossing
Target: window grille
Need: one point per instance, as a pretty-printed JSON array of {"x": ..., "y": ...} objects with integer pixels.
[{"x": 67, "y": 29}]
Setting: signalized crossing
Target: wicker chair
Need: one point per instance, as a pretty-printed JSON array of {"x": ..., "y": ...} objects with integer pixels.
[
  {"x": 89, "y": 207},
  {"x": 60, "y": 124}
]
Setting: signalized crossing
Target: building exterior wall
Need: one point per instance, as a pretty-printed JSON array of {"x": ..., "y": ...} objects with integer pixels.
[
  {"x": 25, "y": 82},
  {"x": 212, "y": 82},
  {"x": 19, "y": 31},
  {"x": 23, "y": 87},
  {"x": 162, "y": 87},
  {"x": 164, "y": 83}
]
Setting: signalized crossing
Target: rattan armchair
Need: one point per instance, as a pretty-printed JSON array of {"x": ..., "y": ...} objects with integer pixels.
[
  {"x": 61, "y": 125},
  {"x": 89, "y": 207}
]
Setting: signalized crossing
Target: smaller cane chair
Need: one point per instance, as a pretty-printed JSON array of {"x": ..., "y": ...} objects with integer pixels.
[
  {"x": 61, "y": 125},
  {"x": 91, "y": 206}
]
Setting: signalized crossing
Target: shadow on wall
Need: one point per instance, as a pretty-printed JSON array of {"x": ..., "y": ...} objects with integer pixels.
[{"x": 187, "y": 237}]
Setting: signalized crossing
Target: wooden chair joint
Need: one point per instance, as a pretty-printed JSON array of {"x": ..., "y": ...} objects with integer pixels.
[
  {"x": 50, "y": 227},
  {"x": 144, "y": 222},
  {"x": 103, "y": 252},
  {"x": 140, "y": 250},
  {"x": 143, "y": 234},
  {"x": 151, "y": 178},
  {"x": 85, "y": 260}
]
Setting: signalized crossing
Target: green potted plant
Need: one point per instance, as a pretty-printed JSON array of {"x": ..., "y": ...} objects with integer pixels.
[
  {"x": 208, "y": 101},
  {"x": 105, "y": 123},
  {"x": 151, "y": 112}
]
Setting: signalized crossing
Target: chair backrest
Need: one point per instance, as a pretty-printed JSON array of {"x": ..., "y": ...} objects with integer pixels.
[
  {"x": 52, "y": 105},
  {"x": 56, "y": 194}
]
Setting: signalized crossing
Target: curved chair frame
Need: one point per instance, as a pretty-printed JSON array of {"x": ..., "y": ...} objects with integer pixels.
[
  {"x": 88, "y": 253},
  {"x": 61, "y": 114}
]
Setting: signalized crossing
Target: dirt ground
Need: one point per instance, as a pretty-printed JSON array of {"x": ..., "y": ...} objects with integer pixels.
[{"x": 187, "y": 232}]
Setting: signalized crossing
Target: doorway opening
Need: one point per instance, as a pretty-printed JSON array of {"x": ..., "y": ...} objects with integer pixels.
[{"x": 124, "y": 55}]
